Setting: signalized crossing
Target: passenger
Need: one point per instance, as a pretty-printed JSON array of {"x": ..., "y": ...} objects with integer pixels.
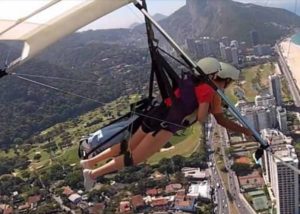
[{"x": 195, "y": 96}]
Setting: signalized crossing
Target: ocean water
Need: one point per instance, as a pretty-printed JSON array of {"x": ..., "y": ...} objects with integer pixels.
[{"x": 296, "y": 38}]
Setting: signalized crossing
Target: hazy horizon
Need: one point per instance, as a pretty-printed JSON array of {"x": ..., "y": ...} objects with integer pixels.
[{"x": 116, "y": 19}]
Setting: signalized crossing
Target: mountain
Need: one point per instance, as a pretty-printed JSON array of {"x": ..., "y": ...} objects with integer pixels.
[
  {"x": 111, "y": 65},
  {"x": 158, "y": 17},
  {"x": 218, "y": 18}
]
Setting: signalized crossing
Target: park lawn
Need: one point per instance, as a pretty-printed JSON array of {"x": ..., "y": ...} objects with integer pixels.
[
  {"x": 9, "y": 154},
  {"x": 249, "y": 74},
  {"x": 229, "y": 92},
  {"x": 181, "y": 136},
  {"x": 70, "y": 156},
  {"x": 184, "y": 148},
  {"x": 267, "y": 70}
]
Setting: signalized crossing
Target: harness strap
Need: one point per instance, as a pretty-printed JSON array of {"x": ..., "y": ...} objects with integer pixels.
[
  {"x": 3, "y": 73},
  {"x": 128, "y": 161},
  {"x": 123, "y": 147}
]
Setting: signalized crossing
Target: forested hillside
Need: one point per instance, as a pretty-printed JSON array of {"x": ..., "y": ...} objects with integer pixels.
[{"x": 110, "y": 71}]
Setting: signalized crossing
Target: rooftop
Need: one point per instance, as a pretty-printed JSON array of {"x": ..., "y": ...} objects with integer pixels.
[
  {"x": 243, "y": 159},
  {"x": 159, "y": 202},
  {"x": 137, "y": 201},
  {"x": 202, "y": 189},
  {"x": 288, "y": 154},
  {"x": 33, "y": 199},
  {"x": 67, "y": 191},
  {"x": 253, "y": 179}
]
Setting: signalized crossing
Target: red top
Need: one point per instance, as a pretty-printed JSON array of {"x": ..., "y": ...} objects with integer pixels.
[{"x": 206, "y": 94}]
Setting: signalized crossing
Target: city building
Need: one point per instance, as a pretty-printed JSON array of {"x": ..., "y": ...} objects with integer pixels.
[
  {"x": 250, "y": 116},
  {"x": 203, "y": 47},
  {"x": 278, "y": 141},
  {"x": 262, "y": 50},
  {"x": 225, "y": 41},
  {"x": 222, "y": 51},
  {"x": 268, "y": 101},
  {"x": 259, "y": 117},
  {"x": 234, "y": 56},
  {"x": 282, "y": 119},
  {"x": 285, "y": 181},
  {"x": 243, "y": 47},
  {"x": 201, "y": 189},
  {"x": 263, "y": 118},
  {"x": 265, "y": 100},
  {"x": 275, "y": 88},
  {"x": 234, "y": 44},
  {"x": 228, "y": 54},
  {"x": 254, "y": 38}
]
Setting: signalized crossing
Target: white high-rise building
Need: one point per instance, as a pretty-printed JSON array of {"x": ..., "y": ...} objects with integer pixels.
[
  {"x": 263, "y": 118},
  {"x": 275, "y": 88},
  {"x": 278, "y": 141},
  {"x": 234, "y": 44},
  {"x": 222, "y": 51},
  {"x": 228, "y": 54},
  {"x": 282, "y": 119},
  {"x": 268, "y": 101},
  {"x": 265, "y": 100},
  {"x": 235, "y": 56},
  {"x": 285, "y": 181},
  {"x": 250, "y": 116},
  {"x": 259, "y": 117}
]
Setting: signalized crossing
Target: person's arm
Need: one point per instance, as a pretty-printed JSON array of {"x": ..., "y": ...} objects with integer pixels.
[
  {"x": 232, "y": 126},
  {"x": 202, "y": 112}
]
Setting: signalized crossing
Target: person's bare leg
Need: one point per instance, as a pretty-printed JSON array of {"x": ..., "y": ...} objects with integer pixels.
[
  {"x": 142, "y": 152},
  {"x": 115, "y": 150}
]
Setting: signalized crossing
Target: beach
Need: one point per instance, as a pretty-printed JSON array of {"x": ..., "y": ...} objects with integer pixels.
[{"x": 291, "y": 53}]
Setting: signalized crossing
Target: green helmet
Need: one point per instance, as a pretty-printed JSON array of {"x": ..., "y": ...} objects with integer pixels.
[
  {"x": 228, "y": 72},
  {"x": 209, "y": 65}
]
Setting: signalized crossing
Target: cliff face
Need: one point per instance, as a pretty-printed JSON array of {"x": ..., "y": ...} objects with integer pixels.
[{"x": 219, "y": 18}]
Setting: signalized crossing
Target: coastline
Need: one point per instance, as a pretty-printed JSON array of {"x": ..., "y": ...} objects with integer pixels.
[{"x": 291, "y": 53}]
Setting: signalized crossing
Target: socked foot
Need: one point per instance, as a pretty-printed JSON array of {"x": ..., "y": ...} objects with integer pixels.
[
  {"x": 85, "y": 164},
  {"x": 89, "y": 182}
]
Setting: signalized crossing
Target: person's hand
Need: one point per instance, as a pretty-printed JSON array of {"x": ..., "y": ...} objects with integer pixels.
[{"x": 249, "y": 135}]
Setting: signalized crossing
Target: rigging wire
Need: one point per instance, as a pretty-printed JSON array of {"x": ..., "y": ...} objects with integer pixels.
[
  {"x": 58, "y": 78},
  {"x": 89, "y": 98},
  {"x": 140, "y": 114},
  {"x": 57, "y": 89},
  {"x": 168, "y": 54},
  {"x": 94, "y": 100},
  {"x": 174, "y": 58}
]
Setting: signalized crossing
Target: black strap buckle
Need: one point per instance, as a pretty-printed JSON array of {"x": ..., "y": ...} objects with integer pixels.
[
  {"x": 260, "y": 151},
  {"x": 3, "y": 73}
]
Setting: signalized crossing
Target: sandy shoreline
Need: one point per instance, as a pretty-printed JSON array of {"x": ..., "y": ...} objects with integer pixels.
[{"x": 291, "y": 53}]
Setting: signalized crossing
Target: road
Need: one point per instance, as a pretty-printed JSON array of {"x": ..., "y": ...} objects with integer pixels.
[
  {"x": 288, "y": 75},
  {"x": 240, "y": 202},
  {"x": 220, "y": 196}
]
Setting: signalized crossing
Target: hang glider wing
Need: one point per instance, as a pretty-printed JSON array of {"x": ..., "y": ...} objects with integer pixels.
[{"x": 42, "y": 23}]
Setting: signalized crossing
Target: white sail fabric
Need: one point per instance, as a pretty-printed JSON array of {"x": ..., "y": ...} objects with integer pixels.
[{"x": 41, "y": 23}]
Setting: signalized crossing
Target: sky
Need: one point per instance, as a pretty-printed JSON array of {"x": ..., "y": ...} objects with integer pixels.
[
  {"x": 127, "y": 15},
  {"x": 167, "y": 7},
  {"x": 124, "y": 17}
]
